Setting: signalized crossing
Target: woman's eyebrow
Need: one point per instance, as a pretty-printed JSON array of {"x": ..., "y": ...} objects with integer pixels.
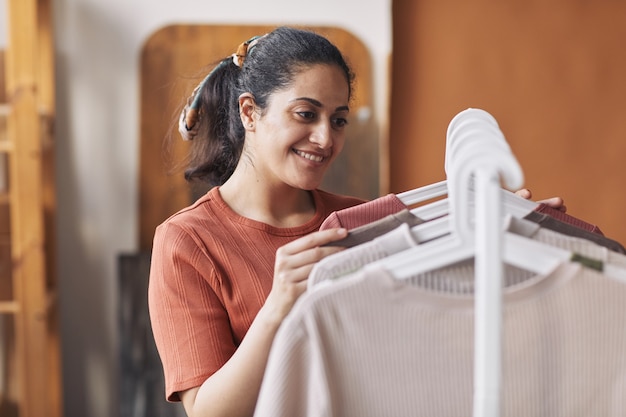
[{"x": 317, "y": 103}]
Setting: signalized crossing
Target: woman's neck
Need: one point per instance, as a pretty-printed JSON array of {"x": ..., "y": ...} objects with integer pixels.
[{"x": 277, "y": 206}]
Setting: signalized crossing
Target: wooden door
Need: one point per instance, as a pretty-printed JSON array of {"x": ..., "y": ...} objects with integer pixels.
[{"x": 552, "y": 73}]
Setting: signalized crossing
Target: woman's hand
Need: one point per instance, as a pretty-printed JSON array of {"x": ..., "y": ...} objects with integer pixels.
[
  {"x": 294, "y": 262},
  {"x": 554, "y": 202}
]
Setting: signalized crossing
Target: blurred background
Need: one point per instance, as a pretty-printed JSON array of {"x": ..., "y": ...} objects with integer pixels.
[{"x": 103, "y": 82}]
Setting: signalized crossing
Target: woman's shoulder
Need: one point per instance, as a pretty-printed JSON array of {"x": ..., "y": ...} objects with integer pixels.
[{"x": 196, "y": 211}]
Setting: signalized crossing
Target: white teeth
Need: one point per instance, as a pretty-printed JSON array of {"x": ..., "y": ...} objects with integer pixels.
[{"x": 310, "y": 157}]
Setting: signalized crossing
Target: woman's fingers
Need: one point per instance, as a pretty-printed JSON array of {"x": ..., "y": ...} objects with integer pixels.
[
  {"x": 295, "y": 260},
  {"x": 554, "y": 202},
  {"x": 313, "y": 240},
  {"x": 524, "y": 193}
]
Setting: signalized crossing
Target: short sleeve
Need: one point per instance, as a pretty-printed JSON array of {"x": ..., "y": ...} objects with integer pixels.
[{"x": 189, "y": 322}]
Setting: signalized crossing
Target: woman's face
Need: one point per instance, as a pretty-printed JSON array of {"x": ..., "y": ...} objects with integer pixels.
[{"x": 303, "y": 128}]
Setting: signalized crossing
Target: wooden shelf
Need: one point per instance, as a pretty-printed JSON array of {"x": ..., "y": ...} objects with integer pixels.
[
  {"x": 5, "y": 145},
  {"x": 9, "y": 307}
]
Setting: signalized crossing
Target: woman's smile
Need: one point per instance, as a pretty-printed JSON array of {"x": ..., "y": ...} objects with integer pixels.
[{"x": 309, "y": 156}]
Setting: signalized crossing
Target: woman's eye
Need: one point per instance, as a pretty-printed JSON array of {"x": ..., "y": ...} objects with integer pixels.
[
  {"x": 306, "y": 114},
  {"x": 340, "y": 122}
]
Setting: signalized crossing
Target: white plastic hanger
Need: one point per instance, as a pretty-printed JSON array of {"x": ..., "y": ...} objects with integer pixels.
[
  {"x": 439, "y": 189},
  {"x": 458, "y": 229},
  {"x": 465, "y": 123},
  {"x": 466, "y": 135},
  {"x": 481, "y": 155},
  {"x": 424, "y": 193}
]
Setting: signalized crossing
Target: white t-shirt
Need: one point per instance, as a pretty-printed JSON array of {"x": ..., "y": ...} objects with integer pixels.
[{"x": 372, "y": 345}]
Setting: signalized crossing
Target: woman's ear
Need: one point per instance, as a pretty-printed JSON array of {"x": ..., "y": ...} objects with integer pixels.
[{"x": 247, "y": 108}]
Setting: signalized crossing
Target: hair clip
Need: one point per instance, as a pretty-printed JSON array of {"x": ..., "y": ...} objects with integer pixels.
[{"x": 189, "y": 116}]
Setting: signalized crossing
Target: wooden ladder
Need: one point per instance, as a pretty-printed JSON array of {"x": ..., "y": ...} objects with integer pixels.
[{"x": 28, "y": 302}]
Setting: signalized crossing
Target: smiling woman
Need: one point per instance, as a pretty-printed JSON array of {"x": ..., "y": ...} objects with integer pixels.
[{"x": 265, "y": 125}]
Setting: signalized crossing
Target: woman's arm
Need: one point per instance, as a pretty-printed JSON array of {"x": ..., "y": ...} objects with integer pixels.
[{"x": 233, "y": 390}]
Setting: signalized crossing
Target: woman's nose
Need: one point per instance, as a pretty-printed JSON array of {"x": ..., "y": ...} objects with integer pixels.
[{"x": 322, "y": 136}]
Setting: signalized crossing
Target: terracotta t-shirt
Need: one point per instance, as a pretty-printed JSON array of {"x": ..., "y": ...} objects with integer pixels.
[{"x": 210, "y": 274}]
